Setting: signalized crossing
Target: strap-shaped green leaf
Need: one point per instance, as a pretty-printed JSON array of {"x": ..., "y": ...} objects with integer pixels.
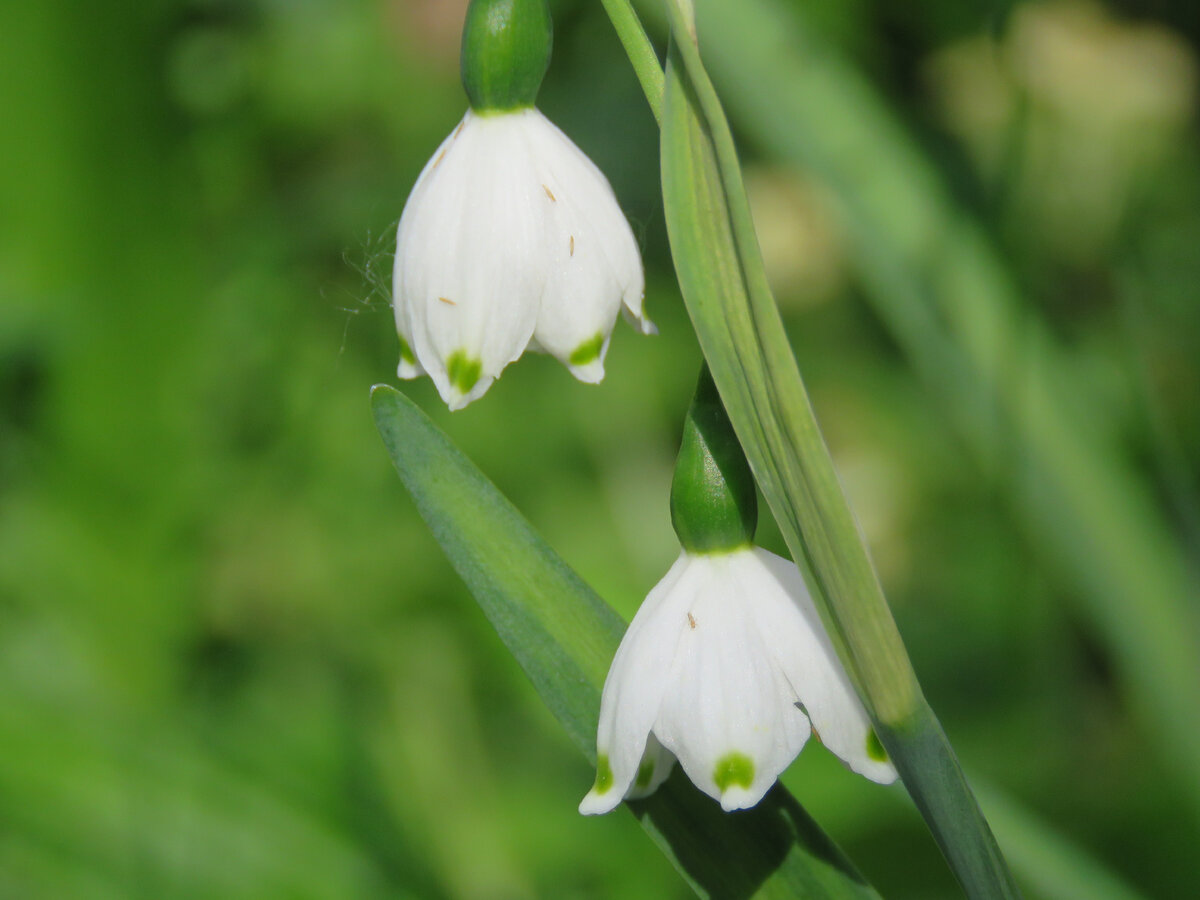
[
  {"x": 724, "y": 285},
  {"x": 564, "y": 636}
]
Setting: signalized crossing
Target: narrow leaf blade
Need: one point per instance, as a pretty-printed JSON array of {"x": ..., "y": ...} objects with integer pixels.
[{"x": 740, "y": 331}]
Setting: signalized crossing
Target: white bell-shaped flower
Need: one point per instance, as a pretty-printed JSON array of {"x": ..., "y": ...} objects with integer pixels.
[
  {"x": 511, "y": 239},
  {"x": 727, "y": 668}
]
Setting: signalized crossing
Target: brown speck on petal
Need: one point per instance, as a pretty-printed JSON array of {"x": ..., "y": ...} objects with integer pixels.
[
  {"x": 692, "y": 621},
  {"x": 448, "y": 301},
  {"x": 550, "y": 194},
  {"x": 572, "y": 245}
]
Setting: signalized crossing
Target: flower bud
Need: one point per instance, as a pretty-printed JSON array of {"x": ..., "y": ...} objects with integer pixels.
[
  {"x": 714, "y": 507},
  {"x": 505, "y": 52}
]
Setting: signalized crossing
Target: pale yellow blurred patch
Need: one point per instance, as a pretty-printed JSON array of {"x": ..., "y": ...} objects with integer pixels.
[
  {"x": 802, "y": 246},
  {"x": 1068, "y": 108},
  {"x": 881, "y": 497},
  {"x": 1095, "y": 69},
  {"x": 430, "y": 28},
  {"x": 881, "y": 485}
]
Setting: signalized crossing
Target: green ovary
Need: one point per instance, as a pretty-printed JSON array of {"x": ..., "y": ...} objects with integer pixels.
[
  {"x": 588, "y": 351},
  {"x": 604, "y": 776},
  {"x": 505, "y": 50},
  {"x": 463, "y": 371},
  {"x": 733, "y": 769}
]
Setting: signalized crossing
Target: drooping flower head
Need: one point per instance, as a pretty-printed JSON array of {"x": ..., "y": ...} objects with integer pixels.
[
  {"x": 511, "y": 238},
  {"x": 726, "y": 667}
]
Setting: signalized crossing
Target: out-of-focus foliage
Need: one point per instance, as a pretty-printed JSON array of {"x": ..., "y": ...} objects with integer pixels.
[{"x": 233, "y": 662}]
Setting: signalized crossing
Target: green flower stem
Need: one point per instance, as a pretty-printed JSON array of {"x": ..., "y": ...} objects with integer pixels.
[
  {"x": 724, "y": 285},
  {"x": 640, "y": 52}
]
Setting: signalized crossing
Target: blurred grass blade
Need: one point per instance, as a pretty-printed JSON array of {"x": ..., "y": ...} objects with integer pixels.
[
  {"x": 1011, "y": 390},
  {"x": 724, "y": 285},
  {"x": 564, "y": 637},
  {"x": 1049, "y": 863}
]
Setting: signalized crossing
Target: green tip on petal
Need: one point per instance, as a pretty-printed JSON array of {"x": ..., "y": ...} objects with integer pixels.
[
  {"x": 588, "y": 351},
  {"x": 645, "y": 773},
  {"x": 604, "y": 776},
  {"x": 714, "y": 507},
  {"x": 875, "y": 748},
  {"x": 734, "y": 769},
  {"x": 406, "y": 353},
  {"x": 505, "y": 51},
  {"x": 463, "y": 371}
]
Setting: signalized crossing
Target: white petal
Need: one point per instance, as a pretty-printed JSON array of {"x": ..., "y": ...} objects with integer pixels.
[
  {"x": 655, "y": 767},
  {"x": 797, "y": 641},
  {"x": 579, "y": 307},
  {"x": 405, "y": 238},
  {"x": 470, "y": 256},
  {"x": 409, "y": 368},
  {"x": 596, "y": 262},
  {"x": 729, "y": 713},
  {"x": 633, "y": 691},
  {"x": 634, "y": 312}
]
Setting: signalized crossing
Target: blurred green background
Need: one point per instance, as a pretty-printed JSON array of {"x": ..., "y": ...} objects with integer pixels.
[{"x": 233, "y": 662}]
